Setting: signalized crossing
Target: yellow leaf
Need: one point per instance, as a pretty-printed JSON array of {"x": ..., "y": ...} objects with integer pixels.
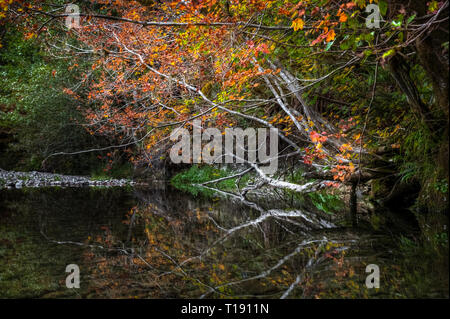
[{"x": 298, "y": 24}]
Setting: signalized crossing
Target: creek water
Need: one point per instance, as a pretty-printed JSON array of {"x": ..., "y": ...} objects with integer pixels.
[{"x": 160, "y": 243}]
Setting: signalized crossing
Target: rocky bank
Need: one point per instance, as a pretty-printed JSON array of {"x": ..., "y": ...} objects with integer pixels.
[{"x": 11, "y": 179}]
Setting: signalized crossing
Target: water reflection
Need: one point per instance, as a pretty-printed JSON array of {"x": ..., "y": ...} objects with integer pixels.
[{"x": 160, "y": 243}]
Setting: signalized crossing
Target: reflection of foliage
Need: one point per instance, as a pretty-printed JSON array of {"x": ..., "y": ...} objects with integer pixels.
[
  {"x": 409, "y": 273},
  {"x": 183, "y": 253},
  {"x": 17, "y": 274},
  {"x": 30, "y": 267},
  {"x": 33, "y": 265},
  {"x": 170, "y": 246}
]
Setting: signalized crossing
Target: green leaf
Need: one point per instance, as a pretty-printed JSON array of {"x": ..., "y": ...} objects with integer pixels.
[
  {"x": 410, "y": 19},
  {"x": 396, "y": 23},
  {"x": 383, "y": 7},
  {"x": 388, "y": 53},
  {"x": 329, "y": 45}
]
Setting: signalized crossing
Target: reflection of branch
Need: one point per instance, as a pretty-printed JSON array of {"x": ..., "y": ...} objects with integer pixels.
[
  {"x": 126, "y": 251},
  {"x": 265, "y": 214},
  {"x": 267, "y": 272},
  {"x": 266, "y": 180},
  {"x": 311, "y": 262},
  {"x": 305, "y": 188}
]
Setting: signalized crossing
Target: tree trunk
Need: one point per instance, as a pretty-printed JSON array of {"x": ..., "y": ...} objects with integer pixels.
[{"x": 400, "y": 72}]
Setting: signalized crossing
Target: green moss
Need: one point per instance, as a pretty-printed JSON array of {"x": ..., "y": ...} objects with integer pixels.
[
  {"x": 422, "y": 162},
  {"x": 187, "y": 180}
]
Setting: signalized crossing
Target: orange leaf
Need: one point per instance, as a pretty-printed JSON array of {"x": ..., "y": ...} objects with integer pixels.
[{"x": 330, "y": 36}]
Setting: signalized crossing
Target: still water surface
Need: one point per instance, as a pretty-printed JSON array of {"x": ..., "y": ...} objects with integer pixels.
[{"x": 161, "y": 243}]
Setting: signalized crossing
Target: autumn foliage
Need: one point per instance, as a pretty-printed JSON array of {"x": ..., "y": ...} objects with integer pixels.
[{"x": 157, "y": 65}]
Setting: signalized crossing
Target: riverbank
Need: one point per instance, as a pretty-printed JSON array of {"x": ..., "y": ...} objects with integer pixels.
[{"x": 12, "y": 179}]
